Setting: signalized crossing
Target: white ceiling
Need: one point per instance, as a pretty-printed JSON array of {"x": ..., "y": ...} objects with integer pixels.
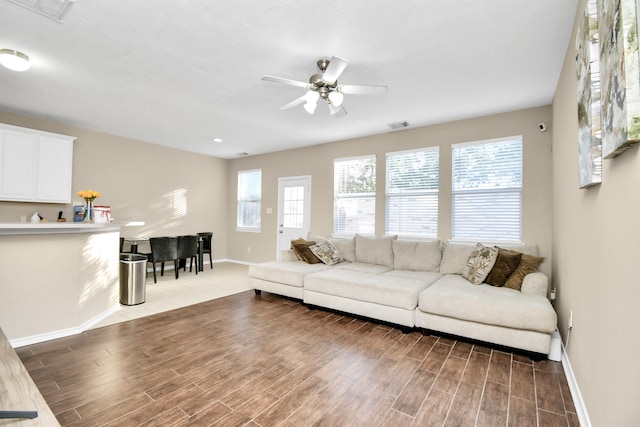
[{"x": 179, "y": 73}]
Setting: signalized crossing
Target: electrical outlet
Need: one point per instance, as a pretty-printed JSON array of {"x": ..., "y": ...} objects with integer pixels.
[
  {"x": 570, "y": 319},
  {"x": 248, "y": 249}
]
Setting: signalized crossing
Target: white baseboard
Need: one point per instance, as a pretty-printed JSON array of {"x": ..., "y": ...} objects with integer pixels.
[
  {"x": 235, "y": 261},
  {"x": 61, "y": 333},
  {"x": 578, "y": 402}
]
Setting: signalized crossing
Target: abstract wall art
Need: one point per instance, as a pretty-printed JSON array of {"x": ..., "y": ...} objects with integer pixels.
[
  {"x": 620, "y": 75},
  {"x": 589, "y": 105}
]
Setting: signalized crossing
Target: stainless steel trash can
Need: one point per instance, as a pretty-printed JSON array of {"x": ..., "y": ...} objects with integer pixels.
[{"x": 133, "y": 278}]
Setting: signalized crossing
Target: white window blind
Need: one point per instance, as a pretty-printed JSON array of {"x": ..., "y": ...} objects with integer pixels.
[
  {"x": 354, "y": 203},
  {"x": 412, "y": 193},
  {"x": 487, "y": 190},
  {"x": 249, "y": 199}
]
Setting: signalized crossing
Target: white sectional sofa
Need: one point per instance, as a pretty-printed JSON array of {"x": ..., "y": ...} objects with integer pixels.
[{"x": 418, "y": 284}]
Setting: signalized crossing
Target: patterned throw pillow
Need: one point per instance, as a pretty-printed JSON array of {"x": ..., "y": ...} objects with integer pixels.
[
  {"x": 480, "y": 263},
  {"x": 327, "y": 253}
]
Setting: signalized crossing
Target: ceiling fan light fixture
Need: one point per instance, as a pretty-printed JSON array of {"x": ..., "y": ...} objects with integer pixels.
[
  {"x": 310, "y": 107},
  {"x": 336, "y": 98},
  {"x": 14, "y": 60},
  {"x": 311, "y": 96},
  {"x": 312, "y": 101}
]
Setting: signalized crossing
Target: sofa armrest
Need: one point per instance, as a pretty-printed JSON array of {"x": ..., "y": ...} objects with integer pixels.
[
  {"x": 535, "y": 283},
  {"x": 288, "y": 255}
]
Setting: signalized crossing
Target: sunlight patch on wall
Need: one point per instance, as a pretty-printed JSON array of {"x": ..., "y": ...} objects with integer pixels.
[
  {"x": 178, "y": 202},
  {"x": 99, "y": 267}
]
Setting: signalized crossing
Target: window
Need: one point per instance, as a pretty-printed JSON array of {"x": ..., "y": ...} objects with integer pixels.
[
  {"x": 487, "y": 190},
  {"x": 354, "y": 203},
  {"x": 249, "y": 200},
  {"x": 412, "y": 193},
  {"x": 293, "y": 207}
]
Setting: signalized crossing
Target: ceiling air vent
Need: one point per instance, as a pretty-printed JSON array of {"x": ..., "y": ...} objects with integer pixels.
[
  {"x": 399, "y": 125},
  {"x": 54, "y": 9}
]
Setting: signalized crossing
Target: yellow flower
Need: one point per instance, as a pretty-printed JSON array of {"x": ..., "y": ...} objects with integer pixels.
[{"x": 89, "y": 194}]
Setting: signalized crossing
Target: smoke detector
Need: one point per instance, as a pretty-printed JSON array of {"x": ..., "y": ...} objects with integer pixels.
[{"x": 399, "y": 125}]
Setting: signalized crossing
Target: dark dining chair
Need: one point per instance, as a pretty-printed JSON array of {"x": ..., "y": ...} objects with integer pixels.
[
  {"x": 163, "y": 249},
  {"x": 206, "y": 242},
  {"x": 188, "y": 249},
  {"x": 125, "y": 246}
]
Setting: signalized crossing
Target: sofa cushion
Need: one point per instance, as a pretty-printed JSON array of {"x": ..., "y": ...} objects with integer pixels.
[
  {"x": 327, "y": 253},
  {"x": 506, "y": 264},
  {"x": 428, "y": 277},
  {"x": 528, "y": 264},
  {"x": 374, "y": 288},
  {"x": 416, "y": 256},
  {"x": 285, "y": 272},
  {"x": 375, "y": 250},
  {"x": 480, "y": 263},
  {"x": 454, "y": 257},
  {"x": 301, "y": 248},
  {"x": 363, "y": 267},
  {"x": 346, "y": 247},
  {"x": 453, "y": 296}
]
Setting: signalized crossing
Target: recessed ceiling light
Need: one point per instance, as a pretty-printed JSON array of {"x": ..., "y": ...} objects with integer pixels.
[
  {"x": 217, "y": 139},
  {"x": 14, "y": 60}
]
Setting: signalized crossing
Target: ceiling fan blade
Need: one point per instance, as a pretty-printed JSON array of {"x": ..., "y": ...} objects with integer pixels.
[
  {"x": 294, "y": 103},
  {"x": 335, "y": 68},
  {"x": 362, "y": 90},
  {"x": 284, "y": 81}
]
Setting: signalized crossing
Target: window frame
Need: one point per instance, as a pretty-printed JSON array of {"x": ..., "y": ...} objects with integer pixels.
[
  {"x": 242, "y": 199},
  {"x": 506, "y": 195},
  {"x": 337, "y": 197},
  {"x": 408, "y": 194}
]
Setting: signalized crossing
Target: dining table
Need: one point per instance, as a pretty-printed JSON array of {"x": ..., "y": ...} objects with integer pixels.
[{"x": 137, "y": 241}]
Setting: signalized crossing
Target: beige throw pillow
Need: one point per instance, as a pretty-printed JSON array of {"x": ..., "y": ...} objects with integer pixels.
[
  {"x": 454, "y": 257},
  {"x": 528, "y": 264},
  {"x": 416, "y": 256},
  {"x": 480, "y": 263},
  {"x": 375, "y": 250},
  {"x": 346, "y": 247}
]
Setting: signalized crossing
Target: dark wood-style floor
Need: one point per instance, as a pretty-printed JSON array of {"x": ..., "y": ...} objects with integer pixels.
[{"x": 267, "y": 361}]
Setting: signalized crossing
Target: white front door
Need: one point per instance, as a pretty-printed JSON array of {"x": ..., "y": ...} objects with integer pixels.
[{"x": 294, "y": 208}]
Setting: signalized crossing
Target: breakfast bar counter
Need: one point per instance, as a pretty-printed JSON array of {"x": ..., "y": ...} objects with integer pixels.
[
  {"x": 18, "y": 393},
  {"x": 56, "y": 279}
]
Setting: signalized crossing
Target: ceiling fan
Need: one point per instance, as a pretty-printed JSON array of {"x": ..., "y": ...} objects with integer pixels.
[{"x": 324, "y": 85}]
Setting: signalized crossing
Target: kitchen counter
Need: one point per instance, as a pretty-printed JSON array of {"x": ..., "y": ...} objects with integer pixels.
[
  {"x": 18, "y": 391},
  {"x": 60, "y": 227},
  {"x": 56, "y": 279}
]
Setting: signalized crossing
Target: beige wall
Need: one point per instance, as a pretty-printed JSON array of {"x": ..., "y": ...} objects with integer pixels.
[
  {"x": 317, "y": 161},
  {"x": 174, "y": 192},
  {"x": 596, "y": 247}
]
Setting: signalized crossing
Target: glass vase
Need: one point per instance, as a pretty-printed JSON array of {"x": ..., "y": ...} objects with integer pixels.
[{"x": 88, "y": 212}]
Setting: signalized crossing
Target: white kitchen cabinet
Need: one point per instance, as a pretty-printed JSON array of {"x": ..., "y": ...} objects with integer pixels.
[{"x": 35, "y": 166}]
